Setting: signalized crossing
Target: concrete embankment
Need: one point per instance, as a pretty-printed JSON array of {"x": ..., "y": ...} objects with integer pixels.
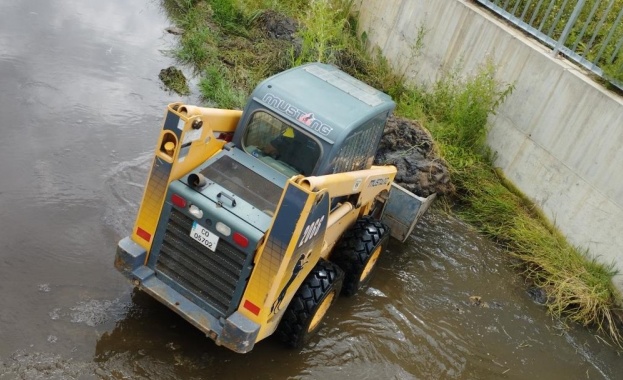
[{"x": 558, "y": 137}]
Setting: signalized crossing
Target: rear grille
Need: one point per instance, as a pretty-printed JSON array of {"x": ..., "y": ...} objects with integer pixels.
[{"x": 210, "y": 276}]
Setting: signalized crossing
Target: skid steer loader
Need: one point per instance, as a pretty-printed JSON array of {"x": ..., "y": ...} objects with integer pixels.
[{"x": 253, "y": 222}]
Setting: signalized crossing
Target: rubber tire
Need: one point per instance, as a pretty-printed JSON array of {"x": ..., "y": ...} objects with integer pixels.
[
  {"x": 324, "y": 279},
  {"x": 355, "y": 249}
]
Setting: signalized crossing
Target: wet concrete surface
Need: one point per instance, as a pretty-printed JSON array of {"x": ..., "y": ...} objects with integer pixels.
[{"x": 80, "y": 110}]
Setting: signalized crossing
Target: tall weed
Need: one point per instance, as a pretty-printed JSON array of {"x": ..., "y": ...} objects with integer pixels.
[
  {"x": 463, "y": 106},
  {"x": 322, "y": 34}
]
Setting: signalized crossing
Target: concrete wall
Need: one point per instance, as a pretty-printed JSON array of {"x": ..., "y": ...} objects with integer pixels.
[{"x": 559, "y": 136}]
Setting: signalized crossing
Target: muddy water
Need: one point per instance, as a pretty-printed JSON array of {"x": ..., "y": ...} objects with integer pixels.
[{"x": 80, "y": 108}]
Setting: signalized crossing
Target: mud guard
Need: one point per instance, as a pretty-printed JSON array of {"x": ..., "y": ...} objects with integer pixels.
[{"x": 402, "y": 211}]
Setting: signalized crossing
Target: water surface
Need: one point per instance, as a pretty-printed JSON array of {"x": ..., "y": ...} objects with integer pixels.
[{"x": 80, "y": 111}]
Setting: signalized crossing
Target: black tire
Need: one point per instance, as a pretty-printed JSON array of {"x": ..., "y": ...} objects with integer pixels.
[
  {"x": 309, "y": 304},
  {"x": 357, "y": 252}
]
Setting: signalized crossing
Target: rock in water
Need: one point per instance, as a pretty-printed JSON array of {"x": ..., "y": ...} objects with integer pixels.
[
  {"x": 174, "y": 80},
  {"x": 174, "y": 30}
]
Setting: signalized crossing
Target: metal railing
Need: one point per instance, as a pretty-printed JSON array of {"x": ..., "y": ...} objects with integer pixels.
[{"x": 588, "y": 32}]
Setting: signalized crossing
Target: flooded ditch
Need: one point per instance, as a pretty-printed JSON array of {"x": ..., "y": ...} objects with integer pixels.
[{"x": 81, "y": 107}]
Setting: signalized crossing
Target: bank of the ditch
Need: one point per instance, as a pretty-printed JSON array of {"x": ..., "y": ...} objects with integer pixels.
[{"x": 233, "y": 44}]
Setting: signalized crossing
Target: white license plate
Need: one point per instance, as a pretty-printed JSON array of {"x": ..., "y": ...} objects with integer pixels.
[{"x": 204, "y": 236}]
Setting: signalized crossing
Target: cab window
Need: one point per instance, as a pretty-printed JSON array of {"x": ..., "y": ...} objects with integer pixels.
[{"x": 280, "y": 145}]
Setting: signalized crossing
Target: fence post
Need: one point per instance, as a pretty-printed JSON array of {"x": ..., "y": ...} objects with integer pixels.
[{"x": 565, "y": 33}]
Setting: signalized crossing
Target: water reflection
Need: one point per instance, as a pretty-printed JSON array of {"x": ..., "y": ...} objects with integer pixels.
[{"x": 69, "y": 74}]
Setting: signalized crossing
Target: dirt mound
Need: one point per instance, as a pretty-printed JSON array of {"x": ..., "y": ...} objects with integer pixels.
[
  {"x": 277, "y": 25},
  {"x": 280, "y": 27},
  {"x": 409, "y": 147}
]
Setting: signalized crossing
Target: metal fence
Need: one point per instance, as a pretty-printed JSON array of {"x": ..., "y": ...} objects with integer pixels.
[{"x": 589, "y": 32}]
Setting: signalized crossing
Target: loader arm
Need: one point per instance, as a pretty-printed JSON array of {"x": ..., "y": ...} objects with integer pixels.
[
  {"x": 292, "y": 246},
  {"x": 352, "y": 195},
  {"x": 187, "y": 139}
]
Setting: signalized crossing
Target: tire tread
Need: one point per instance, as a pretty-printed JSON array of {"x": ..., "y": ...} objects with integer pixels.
[{"x": 355, "y": 248}]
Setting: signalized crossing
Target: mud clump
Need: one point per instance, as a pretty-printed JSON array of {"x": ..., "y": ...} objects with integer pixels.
[
  {"x": 277, "y": 26},
  {"x": 174, "y": 80},
  {"x": 409, "y": 147}
]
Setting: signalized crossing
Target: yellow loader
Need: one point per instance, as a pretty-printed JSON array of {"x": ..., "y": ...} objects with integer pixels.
[{"x": 253, "y": 222}]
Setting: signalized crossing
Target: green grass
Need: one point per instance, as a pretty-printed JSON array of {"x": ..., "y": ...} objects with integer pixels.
[
  {"x": 578, "y": 287},
  {"x": 323, "y": 32},
  {"x": 226, "y": 48},
  {"x": 214, "y": 86},
  {"x": 225, "y": 44},
  {"x": 198, "y": 44}
]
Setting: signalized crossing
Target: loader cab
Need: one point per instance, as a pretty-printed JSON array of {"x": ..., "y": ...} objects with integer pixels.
[{"x": 313, "y": 120}]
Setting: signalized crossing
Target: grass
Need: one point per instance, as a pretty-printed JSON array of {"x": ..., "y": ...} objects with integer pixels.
[
  {"x": 222, "y": 45},
  {"x": 215, "y": 87},
  {"x": 579, "y": 288},
  {"x": 226, "y": 44},
  {"x": 322, "y": 35},
  {"x": 199, "y": 41}
]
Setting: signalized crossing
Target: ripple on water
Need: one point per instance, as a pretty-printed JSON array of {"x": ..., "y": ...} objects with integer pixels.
[
  {"x": 96, "y": 312},
  {"x": 92, "y": 312},
  {"x": 124, "y": 184}
]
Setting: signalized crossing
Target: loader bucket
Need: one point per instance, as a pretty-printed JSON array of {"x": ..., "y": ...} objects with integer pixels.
[{"x": 402, "y": 211}]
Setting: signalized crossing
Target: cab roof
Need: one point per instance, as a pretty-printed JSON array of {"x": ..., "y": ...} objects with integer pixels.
[{"x": 322, "y": 99}]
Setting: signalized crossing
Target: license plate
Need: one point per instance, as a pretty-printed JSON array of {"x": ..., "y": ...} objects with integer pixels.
[{"x": 204, "y": 236}]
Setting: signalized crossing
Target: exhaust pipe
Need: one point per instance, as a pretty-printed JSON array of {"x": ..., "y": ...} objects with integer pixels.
[{"x": 197, "y": 180}]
